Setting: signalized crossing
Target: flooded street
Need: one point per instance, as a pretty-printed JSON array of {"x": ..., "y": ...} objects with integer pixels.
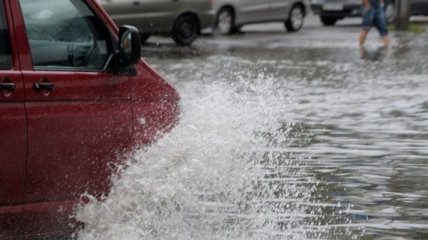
[{"x": 282, "y": 136}]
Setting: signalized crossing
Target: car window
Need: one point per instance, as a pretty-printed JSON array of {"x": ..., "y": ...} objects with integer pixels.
[
  {"x": 64, "y": 34},
  {"x": 5, "y": 53}
]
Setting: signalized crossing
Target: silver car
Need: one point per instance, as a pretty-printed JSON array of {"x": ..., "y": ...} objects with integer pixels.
[
  {"x": 182, "y": 19},
  {"x": 231, "y": 15}
]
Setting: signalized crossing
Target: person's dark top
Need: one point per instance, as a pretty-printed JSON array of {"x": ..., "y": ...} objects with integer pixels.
[{"x": 375, "y": 3}]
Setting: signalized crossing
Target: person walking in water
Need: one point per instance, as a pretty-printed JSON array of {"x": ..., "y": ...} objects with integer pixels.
[{"x": 374, "y": 15}]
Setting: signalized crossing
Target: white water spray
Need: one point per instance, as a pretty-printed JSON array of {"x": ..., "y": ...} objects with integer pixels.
[{"x": 224, "y": 172}]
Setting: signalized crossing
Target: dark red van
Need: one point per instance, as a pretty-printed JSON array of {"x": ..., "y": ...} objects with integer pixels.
[{"x": 75, "y": 96}]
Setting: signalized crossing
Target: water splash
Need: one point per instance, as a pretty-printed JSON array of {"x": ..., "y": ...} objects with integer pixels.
[{"x": 227, "y": 171}]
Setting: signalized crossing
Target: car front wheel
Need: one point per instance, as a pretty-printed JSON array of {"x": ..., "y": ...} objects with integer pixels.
[
  {"x": 295, "y": 19},
  {"x": 185, "y": 30},
  {"x": 225, "y": 21}
]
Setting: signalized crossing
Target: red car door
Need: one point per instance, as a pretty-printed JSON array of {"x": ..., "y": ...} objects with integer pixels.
[
  {"x": 12, "y": 118},
  {"x": 13, "y": 136},
  {"x": 79, "y": 113}
]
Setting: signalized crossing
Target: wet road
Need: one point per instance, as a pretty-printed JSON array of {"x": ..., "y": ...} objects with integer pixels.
[
  {"x": 365, "y": 113},
  {"x": 349, "y": 159}
]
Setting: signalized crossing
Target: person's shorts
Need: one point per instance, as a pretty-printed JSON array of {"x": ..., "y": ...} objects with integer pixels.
[{"x": 375, "y": 17}]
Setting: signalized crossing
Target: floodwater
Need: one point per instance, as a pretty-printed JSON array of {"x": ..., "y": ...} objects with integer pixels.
[{"x": 281, "y": 137}]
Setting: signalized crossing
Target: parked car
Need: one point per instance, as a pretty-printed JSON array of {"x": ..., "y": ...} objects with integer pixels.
[
  {"x": 183, "y": 20},
  {"x": 75, "y": 97},
  {"x": 231, "y": 15},
  {"x": 418, "y": 8},
  {"x": 330, "y": 11}
]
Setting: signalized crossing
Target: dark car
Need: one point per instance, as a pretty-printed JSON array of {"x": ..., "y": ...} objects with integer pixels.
[
  {"x": 183, "y": 20},
  {"x": 75, "y": 97},
  {"x": 330, "y": 11}
]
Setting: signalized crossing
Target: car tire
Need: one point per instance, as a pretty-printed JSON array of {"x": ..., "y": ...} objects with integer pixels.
[
  {"x": 185, "y": 30},
  {"x": 225, "y": 22},
  {"x": 328, "y": 21},
  {"x": 295, "y": 19},
  {"x": 390, "y": 11},
  {"x": 144, "y": 37}
]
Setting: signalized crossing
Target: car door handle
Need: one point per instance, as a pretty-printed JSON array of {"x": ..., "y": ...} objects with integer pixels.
[
  {"x": 136, "y": 3},
  {"x": 47, "y": 86},
  {"x": 7, "y": 86}
]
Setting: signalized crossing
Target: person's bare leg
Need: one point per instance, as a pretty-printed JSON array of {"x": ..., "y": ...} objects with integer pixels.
[
  {"x": 363, "y": 52},
  {"x": 386, "y": 42},
  {"x": 363, "y": 37}
]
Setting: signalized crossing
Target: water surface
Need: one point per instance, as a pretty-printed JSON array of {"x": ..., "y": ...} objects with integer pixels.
[{"x": 291, "y": 139}]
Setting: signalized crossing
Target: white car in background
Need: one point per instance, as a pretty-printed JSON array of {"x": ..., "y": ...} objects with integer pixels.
[{"x": 231, "y": 15}]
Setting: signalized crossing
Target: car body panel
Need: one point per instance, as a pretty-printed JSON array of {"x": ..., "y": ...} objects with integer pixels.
[
  {"x": 250, "y": 11},
  {"x": 337, "y": 8},
  {"x": 280, "y": 9},
  {"x": 37, "y": 220},
  {"x": 96, "y": 103},
  {"x": 58, "y": 171},
  {"x": 255, "y": 11},
  {"x": 13, "y": 150},
  {"x": 154, "y": 111},
  {"x": 13, "y": 138}
]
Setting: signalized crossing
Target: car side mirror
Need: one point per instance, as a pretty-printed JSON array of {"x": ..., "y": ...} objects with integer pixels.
[{"x": 129, "y": 46}]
